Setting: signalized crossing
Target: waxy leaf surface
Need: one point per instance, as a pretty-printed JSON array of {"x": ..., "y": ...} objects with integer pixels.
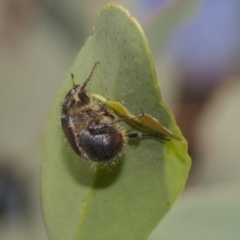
[{"x": 128, "y": 201}]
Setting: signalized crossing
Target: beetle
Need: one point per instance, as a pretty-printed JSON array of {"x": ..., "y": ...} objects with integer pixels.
[{"x": 91, "y": 129}]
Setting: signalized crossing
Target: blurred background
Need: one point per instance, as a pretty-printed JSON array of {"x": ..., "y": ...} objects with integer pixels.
[{"x": 196, "y": 49}]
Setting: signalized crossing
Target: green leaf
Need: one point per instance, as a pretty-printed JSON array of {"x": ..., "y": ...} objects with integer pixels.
[{"x": 129, "y": 200}]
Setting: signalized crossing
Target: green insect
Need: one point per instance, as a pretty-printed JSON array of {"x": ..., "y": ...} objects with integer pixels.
[{"x": 144, "y": 123}]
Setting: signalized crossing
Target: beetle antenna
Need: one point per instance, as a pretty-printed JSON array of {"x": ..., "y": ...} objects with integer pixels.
[
  {"x": 89, "y": 77},
  {"x": 73, "y": 80}
]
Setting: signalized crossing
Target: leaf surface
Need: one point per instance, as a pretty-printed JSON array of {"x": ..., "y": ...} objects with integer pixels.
[{"x": 128, "y": 201}]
